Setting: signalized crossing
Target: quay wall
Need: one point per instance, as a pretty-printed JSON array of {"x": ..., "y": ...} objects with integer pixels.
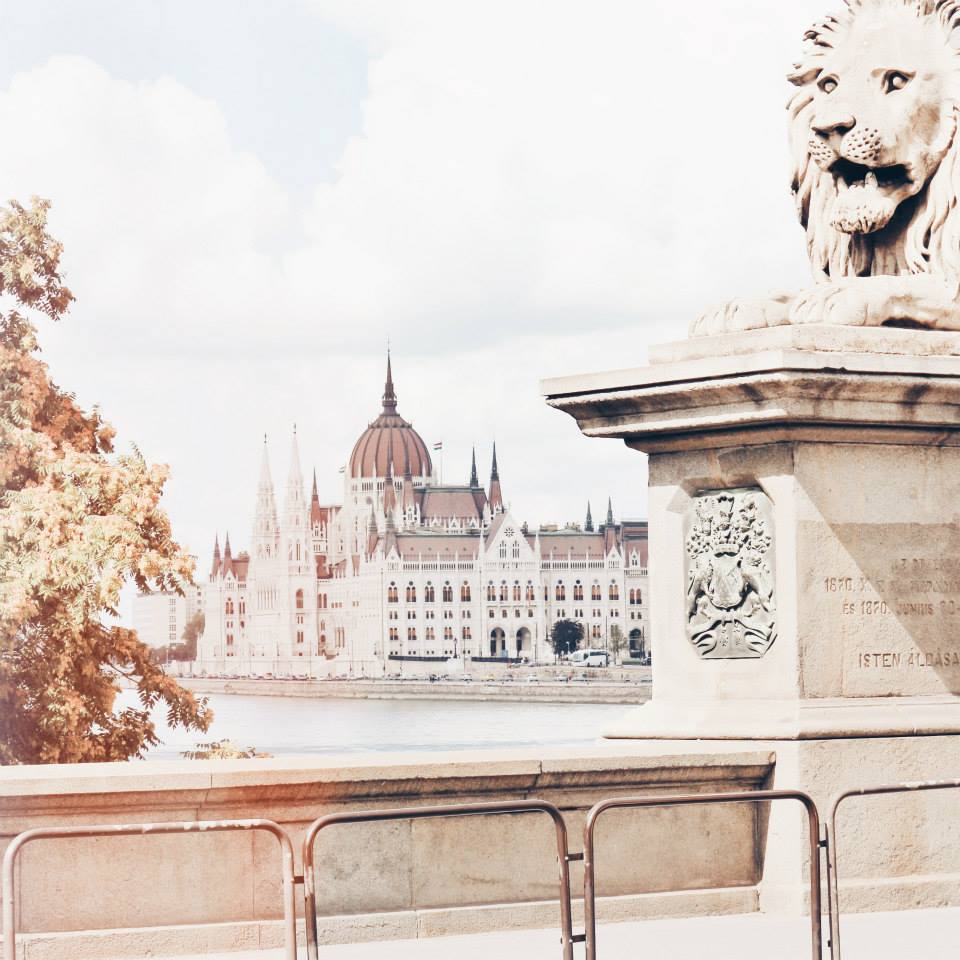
[
  {"x": 516, "y": 691},
  {"x": 108, "y": 897}
]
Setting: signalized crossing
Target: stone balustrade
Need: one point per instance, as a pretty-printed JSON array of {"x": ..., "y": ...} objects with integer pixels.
[{"x": 107, "y": 897}]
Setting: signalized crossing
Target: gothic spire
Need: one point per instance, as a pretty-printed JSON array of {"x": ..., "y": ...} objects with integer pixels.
[
  {"x": 215, "y": 569},
  {"x": 266, "y": 535},
  {"x": 609, "y": 512},
  {"x": 227, "y": 555},
  {"x": 474, "y": 479},
  {"x": 495, "y": 496},
  {"x": 389, "y": 396},
  {"x": 313, "y": 493},
  {"x": 588, "y": 526}
]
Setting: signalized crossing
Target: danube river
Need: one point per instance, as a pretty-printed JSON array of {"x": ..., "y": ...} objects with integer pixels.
[{"x": 289, "y": 725}]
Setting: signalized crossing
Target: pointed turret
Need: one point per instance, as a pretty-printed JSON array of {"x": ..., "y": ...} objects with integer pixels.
[
  {"x": 495, "y": 496},
  {"x": 588, "y": 525},
  {"x": 474, "y": 479},
  {"x": 215, "y": 569},
  {"x": 294, "y": 531},
  {"x": 609, "y": 512},
  {"x": 266, "y": 532},
  {"x": 408, "y": 501},
  {"x": 227, "y": 565},
  {"x": 389, "y": 491},
  {"x": 389, "y": 396}
]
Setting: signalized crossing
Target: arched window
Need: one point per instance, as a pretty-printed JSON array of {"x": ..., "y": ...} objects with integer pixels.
[
  {"x": 411, "y": 593},
  {"x": 228, "y": 606},
  {"x": 639, "y": 597},
  {"x": 447, "y": 593},
  {"x": 516, "y": 593},
  {"x": 298, "y": 600},
  {"x": 503, "y": 550},
  {"x": 595, "y": 592},
  {"x": 465, "y": 592},
  {"x": 448, "y": 633},
  {"x": 392, "y": 596},
  {"x": 561, "y": 591},
  {"x": 491, "y": 592},
  {"x": 614, "y": 591},
  {"x": 633, "y": 597},
  {"x": 530, "y": 594},
  {"x": 394, "y": 634},
  {"x": 428, "y": 593},
  {"x": 412, "y": 634},
  {"x": 578, "y": 591},
  {"x": 504, "y": 595}
]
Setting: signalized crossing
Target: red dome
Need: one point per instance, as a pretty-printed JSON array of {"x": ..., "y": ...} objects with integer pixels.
[{"x": 390, "y": 435}]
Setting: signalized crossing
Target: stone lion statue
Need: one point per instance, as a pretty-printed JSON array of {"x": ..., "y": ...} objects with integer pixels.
[{"x": 873, "y": 134}]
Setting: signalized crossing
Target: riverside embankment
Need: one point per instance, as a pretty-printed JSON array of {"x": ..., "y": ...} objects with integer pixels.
[{"x": 515, "y": 691}]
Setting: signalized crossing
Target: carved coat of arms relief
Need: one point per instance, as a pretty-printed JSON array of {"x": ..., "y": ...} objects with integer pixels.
[{"x": 731, "y": 607}]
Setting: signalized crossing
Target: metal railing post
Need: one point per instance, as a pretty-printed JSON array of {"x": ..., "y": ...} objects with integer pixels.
[
  {"x": 833, "y": 883},
  {"x": 690, "y": 799},
  {"x": 507, "y": 807},
  {"x": 149, "y": 829}
]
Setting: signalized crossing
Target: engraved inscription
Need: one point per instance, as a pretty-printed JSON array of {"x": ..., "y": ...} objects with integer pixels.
[
  {"x": 891, "y": 598},
  {"x": 731, "y": 607}
]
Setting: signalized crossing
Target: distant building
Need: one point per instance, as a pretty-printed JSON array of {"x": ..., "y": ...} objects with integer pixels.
[
  {"x": 160, "y": 618},
  {"x": 406, "y": 569}
]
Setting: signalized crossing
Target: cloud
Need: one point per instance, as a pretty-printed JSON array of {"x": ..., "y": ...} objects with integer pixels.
[{"x": 535, "y": 189}]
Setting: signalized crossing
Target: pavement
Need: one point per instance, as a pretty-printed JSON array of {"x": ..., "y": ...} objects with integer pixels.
[{"x": 905, "y": 935}]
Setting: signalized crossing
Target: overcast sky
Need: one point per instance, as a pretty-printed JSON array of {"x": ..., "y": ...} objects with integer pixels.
[{"x": 254, "y": 196}]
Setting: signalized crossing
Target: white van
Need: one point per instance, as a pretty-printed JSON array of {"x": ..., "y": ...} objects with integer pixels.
[{"x": 590, "y": 658}]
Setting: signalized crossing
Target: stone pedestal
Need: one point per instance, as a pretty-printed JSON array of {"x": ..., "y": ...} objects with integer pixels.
[
  {"x": 804, "y": 509},
  {"x": 850, "y": 440}
]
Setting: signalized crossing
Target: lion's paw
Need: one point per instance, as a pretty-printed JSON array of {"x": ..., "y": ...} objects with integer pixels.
[
  {"x": 846, "y": 303},
  {"x": 740, "y": 314}
]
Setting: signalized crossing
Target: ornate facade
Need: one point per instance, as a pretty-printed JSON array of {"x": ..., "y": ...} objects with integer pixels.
[{"x": 409, "y": 571}]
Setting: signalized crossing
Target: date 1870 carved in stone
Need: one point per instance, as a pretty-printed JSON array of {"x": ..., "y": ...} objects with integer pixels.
[{"x": 731, "y": 608}]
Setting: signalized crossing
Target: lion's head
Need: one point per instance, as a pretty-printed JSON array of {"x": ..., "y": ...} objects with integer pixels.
[{"x": 874, "y": 139}]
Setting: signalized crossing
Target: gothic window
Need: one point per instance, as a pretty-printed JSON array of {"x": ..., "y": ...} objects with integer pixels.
[
  {"x": 412, "y": 634},
  {"x": 639, "y": 597},
  {"x": 503, "y": 550},
  {"x": 411, "y": 593},
  {"x": 429, "y": 634},
  {"x": 561, "y": 591},
  {"x": 299, "y": 636},
  {"x": 228, "y": 607},
  {"x": 465, "y": 592},
  {"x": 530, "y": 594},
  {"x": 428, "y": 593},
  {"x": 504, "y": 595},
  {"x": 321, "y": 601},
  {"x": 243, "y": 605},
  {"x": 614, "y": 591},
  {"x": 595, "y": 592},
  {"x": 578, "y": 591},
  {"x": 447, "y": 593},
  {"x": 392, "y": 593},
  {"x": 491, "y": 592},
  {"x": 448, "y": 633},
  {"x": 633, "y": 597},
  {"x": 229, "y": 639},
  {"x": 516, "y": 592},
  {"x": 466, "y": 633},
  {"x": 298, "y": 600},
  {"x": 546, "y": 593},
  {"x": 516, "y": 550}
]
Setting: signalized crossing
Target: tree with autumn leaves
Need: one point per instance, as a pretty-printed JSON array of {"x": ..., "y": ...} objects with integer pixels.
[{"x": 76, "y": 522}]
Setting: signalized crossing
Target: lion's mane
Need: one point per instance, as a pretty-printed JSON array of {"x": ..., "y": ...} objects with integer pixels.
[{"x": 930, "y": 223}]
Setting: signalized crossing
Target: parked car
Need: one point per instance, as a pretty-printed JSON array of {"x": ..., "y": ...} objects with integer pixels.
[{"x": 590, "y": 658}]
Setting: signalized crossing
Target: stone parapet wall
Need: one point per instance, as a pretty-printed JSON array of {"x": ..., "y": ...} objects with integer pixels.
[{"x": 375, "y": 880}]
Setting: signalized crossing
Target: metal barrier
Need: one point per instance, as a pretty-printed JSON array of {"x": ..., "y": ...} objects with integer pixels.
[
  {"x": 833, "y": 886},
  {"x": 753, "y": 796},
  {"x": 567, "y": 939},
  {"x": 149, "y": 829}
]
